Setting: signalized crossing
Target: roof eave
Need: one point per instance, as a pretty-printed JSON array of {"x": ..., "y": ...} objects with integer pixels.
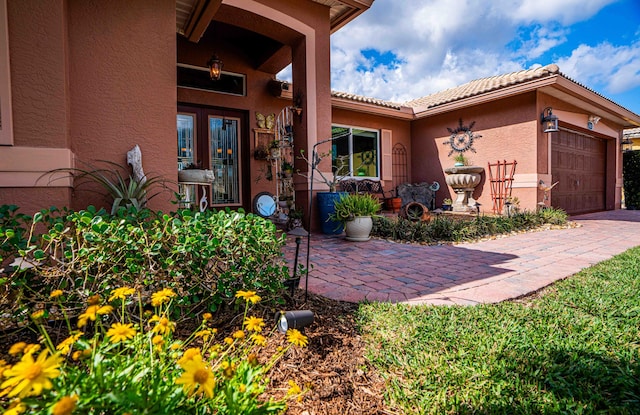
[
  {"x": 608, "y": 108},
  {"x": 404, "y": 113}
]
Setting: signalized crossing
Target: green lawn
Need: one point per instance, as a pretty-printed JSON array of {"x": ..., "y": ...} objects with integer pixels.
[{"x": 573, "y": 350}]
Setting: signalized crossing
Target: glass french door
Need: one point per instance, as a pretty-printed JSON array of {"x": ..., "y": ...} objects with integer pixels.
[
  {"x": 211, "y": 139},
  {"x": 224, "y": 148}
]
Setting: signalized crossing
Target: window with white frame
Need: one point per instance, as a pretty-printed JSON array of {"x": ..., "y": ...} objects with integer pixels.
[{"x": 355, "y": 152}]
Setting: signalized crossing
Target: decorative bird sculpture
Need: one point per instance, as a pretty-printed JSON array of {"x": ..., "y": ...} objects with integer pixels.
[{"x": 546, "y": 189}]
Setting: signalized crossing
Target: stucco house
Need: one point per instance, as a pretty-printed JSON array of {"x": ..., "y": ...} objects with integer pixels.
[{"x": 86, "y": 80}]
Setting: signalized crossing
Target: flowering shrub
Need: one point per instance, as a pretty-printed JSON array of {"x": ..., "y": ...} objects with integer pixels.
[
  {"x": 119, "y": 362},
  {"x": 206, "y": 257}
]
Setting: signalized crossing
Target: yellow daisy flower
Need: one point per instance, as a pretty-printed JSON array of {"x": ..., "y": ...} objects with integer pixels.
[
  {"x": 197, "y": 378},
  {"x": 297, "y": 338},
  {"x": 228, "y": 340},
  {"x": 32, "y": 348},
  {"x": 259, "y": 339},
  {"x": 65, "y": 346},
  {"x": 16, "y": 408},
  {"x": 65, "y": 405},
  {"x": 121, "y": 293},
  {"x": 157, "y": 340},
  {"x": 163, "y": 326},
  {"x": 254, "y": 324},
  {"x": 205, "y": 334},
  {"x": 36, "y": 315},
  {"x": 105, "y": 309},
  {"x": 121, "y": 332},
  {"x": 207, "y": 316},
  {"x": 249, "y": 296},
  {"x": 55, "y": 293},
  {"x": 29, "y": 377},
  {"x": 160, "y": 297},
  {"x": 189, "y": 355},
  {"x": 89, "y": 314},
  {"x": 238, "y": 334},
  {"x": 17, "y": 348},
  {"x": 175, "y": 346},
  {"x": 294, "y": 389}
]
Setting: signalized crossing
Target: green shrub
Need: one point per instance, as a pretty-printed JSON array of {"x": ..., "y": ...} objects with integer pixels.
[
  {"x": 631, "y": 179},
  {"x": 444, "y": 228},
  {"x": 206, "y": 257}
]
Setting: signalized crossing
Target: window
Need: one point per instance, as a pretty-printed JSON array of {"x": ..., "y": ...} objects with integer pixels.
[
  {"x": 196, "y": 77},
  {"x": 355, "y": 152}
]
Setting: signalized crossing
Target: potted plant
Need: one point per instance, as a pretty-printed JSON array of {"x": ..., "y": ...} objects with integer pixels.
[
  {"x": 355, "y": 212},
  {"x": 274, "y": 149},
  {"x": 446, "y": 204},
  {"x": 326, "y": 200},
  {"x": 460, "y": 160},
  {"x": 287, "y": 169}
]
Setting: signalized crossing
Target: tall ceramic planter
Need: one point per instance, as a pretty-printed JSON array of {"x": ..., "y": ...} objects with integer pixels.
[
  {"x": 326, "y": 206},
  {"x": 359, "y": 229}
]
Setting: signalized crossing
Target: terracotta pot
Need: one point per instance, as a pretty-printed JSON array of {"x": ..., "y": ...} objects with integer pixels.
[{"x": 393, "y": 204}]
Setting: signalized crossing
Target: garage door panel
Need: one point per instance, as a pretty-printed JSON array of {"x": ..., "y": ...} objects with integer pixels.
[{"x": 578, "y": 164}]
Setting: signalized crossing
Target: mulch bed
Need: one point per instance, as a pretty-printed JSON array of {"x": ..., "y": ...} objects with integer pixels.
[{"x": 332, "y": 365}]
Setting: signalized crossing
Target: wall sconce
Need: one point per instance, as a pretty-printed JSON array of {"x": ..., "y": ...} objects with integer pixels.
[
  {"x": 295, "y": 319},
  {"x": 626, "y": 144},
  {"x": 549, "y": 121},
  {"x": 215, "y": 67}
]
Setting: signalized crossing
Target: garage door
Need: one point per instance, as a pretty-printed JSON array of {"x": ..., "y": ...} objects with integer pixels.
[{"x": 578, "y": 164}]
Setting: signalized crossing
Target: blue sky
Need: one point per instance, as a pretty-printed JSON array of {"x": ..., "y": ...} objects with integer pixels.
[{"x": 404, "y": 49}]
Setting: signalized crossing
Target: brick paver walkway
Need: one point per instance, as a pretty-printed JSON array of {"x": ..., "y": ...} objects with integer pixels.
[{"x": 470, "y": 273}]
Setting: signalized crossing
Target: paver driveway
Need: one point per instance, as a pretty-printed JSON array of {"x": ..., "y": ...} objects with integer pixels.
[{"x": 469, "y": 273}]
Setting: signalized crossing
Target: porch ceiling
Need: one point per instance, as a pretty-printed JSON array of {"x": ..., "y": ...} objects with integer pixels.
[
  {"x": 341, "y": 11},
  {"x": 269, "y": 50}
]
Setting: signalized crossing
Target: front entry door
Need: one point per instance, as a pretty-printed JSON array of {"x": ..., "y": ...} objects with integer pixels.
[{"x": 213, "y": 139}]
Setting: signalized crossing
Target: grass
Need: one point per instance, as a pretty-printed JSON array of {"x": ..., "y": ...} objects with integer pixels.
[{"x": 574, "y": 349}]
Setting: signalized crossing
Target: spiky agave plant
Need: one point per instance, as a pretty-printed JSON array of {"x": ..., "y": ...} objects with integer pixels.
[{"x": 124, "y": 192}]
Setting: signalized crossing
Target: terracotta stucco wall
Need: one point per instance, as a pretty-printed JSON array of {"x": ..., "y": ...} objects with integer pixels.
[
  {"x": 38, "y": 53},
  {"x": 95, "y": 78},
  {"x": 509, "y": 132},
  {"x": 122, "y": 78}
]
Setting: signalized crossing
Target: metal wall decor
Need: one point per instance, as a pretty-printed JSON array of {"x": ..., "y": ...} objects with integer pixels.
[{"x": 461, "y": 138}]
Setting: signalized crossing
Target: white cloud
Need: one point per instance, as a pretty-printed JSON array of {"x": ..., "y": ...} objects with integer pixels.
[
  {"x": 440, "y": 44},
  {"x": 616, "y": 69}
]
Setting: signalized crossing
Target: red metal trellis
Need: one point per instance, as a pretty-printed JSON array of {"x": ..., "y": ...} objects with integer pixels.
[{"x": 501, "y": 179}]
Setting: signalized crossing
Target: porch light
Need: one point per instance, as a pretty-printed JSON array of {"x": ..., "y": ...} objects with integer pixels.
[
  {"x": 295, "y": 319},
  {"x": 215, "y": 67},
  {"x": 626, "y": 144},
  {"x": 549, "y": 121}
]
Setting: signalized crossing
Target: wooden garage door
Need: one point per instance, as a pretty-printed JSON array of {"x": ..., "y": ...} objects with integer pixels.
[{"x": 578, "y": 164}]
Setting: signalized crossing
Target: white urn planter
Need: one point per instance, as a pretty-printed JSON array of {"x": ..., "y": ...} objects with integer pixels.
[
  {"x": 358, "y": 229},
  {"x": 196, "y": 176},
  {"x": 463, "y": 180}
]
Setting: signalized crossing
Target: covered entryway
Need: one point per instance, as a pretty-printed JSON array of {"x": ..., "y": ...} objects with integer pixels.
[{"x": 578, "y": 164}]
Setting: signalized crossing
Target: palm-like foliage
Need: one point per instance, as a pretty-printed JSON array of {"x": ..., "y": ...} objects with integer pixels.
[{"x": 124, "y": 192}]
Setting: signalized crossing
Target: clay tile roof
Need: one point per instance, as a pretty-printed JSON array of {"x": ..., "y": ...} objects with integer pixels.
[
  {"x": 632, "y": 132},
  {"x": 366, "y": 100},
  {"x": 484, "y": 85}
]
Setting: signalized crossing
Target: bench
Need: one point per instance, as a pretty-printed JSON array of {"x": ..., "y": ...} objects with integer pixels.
[{"x": 362, "y": 186}]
